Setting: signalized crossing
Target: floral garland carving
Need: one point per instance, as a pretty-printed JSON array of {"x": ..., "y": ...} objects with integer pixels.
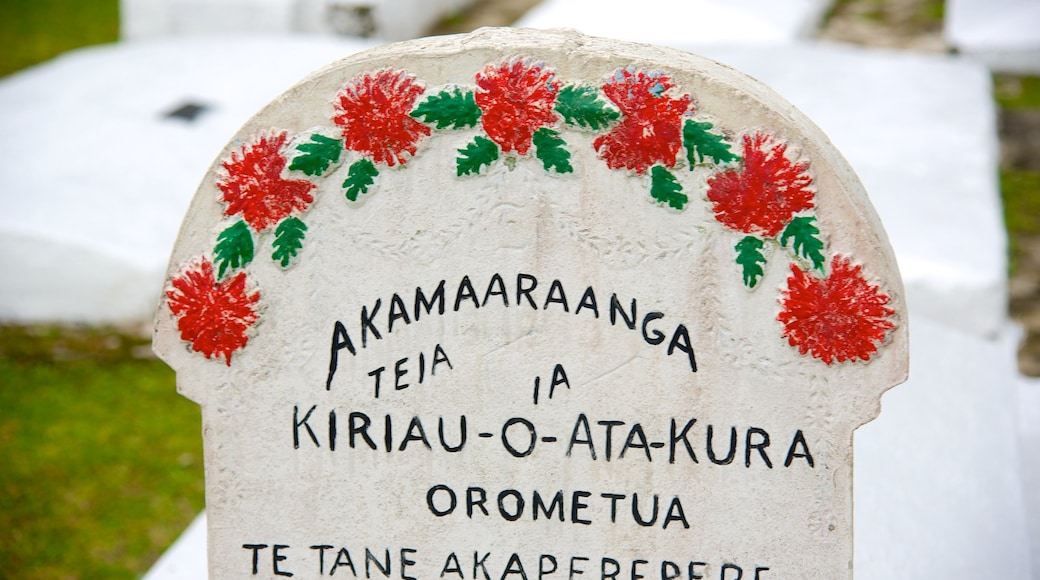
[{"x": 643, "y": 125}]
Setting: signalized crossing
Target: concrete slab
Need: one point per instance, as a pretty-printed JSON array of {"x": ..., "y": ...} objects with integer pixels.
[
  {"x": 1005, "y": 34},
  {"x": 673, "y": 22},
  {"x": 97, "y": 177}
]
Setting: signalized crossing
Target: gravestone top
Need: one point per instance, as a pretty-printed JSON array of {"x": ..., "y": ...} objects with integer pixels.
[{"x": 524, "y": 303}]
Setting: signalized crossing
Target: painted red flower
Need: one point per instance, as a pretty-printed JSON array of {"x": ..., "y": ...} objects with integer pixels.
[
  {"x": 515, "y": 99},
  {"x": 765, "y": 193},
  {"x": 650, "y": 131},
  {"x": 373, "y": 110},
  {"x": 253, "y": 185},
  {"x": 842, "y": 317},
  {"x": 213, "y": 316}
]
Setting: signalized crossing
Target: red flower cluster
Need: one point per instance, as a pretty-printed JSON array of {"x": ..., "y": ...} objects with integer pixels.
[
  {"x": 650, "y": 131},
  {"x": 842, "y": 317},
  {"x": 254, "y": 187},
  {"x": 213, "y": 316},
  {"x": 515, "y": 100},
  {"x": 766, "y": 193},
  {"x": 374, "y": 113}
]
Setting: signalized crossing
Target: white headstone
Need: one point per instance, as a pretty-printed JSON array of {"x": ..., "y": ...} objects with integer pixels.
[{"x": 521, "y": 304}]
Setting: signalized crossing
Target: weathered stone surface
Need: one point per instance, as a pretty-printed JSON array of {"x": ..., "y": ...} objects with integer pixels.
[{"x": 592, "y": 253}]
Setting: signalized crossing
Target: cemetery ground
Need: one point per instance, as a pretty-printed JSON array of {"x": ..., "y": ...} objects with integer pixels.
[{"x": 103, "y": 459}]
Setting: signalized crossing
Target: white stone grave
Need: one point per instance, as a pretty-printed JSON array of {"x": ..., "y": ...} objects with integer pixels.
[
  {"x": 383, "y": 19},
  {"x": 487, "y": 301},
  {"x": 1005, "y": 34}
]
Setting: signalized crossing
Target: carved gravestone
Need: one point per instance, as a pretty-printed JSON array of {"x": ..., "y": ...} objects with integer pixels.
[{"x": 531, "y": 305}]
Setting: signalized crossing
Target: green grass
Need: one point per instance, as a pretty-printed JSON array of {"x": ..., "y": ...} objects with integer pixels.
[
  {"x": 32, "y": 31},
  {"x": 101, "y": 458},
  {"x": 1017, "y": 92}
]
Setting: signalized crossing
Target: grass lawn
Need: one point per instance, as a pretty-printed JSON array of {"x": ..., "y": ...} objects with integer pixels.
[
  {"x": 32, "y": 31},
  {"x": 102, "y": 459}
]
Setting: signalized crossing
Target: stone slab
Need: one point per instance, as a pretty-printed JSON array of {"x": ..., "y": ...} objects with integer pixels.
[
  {"x": 381, "y": 205},
  {"x": 383, "y": 19},
  {"x": 1002, "y": 33},
  {"x": 674, "y": 22},
  {"x": 103, "y": 176}
]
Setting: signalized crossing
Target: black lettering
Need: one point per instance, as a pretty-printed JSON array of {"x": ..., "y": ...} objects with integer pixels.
[
  {"x": 321, "y": 557},
  {"x": 574, "y": 571},
  {"x": 556, "y": 295},
  {"x": 615, "y": 309},
  {"x": 675, "y": 514},
  {"x": 732, "y": 447},
  {"x": 360, "y": 430},
  {"x": 519, "y": 569},
  {"x": 367, "y": 322},
  {"x": 635, "y": 569},
  {"x": 577, "y": 505},
  {"x": 451, "y": 564},
  {"x": 583, "y": 423},
  {"x": 332, "y": 430},
  {"x": 340, "y": 340},
  {"x": 462, "y": 435},
  {"x": 799, "y": 439},
  {"x": 388, "y": 433},
  {"x": 727, "y": 567},
  {"x": 518, "y": 503},
  {"x": 439, "y": 356},
  {"x": 405, "y": 563},
  {"x": 760, "y": 446},
  {"x": 759, "y": 569},
  {"x": 657, "y": 337},
  {"x": 420, "y": 300},
  {"x": 479, "y": 492},
  {"x": 480, "y": 563},
  {"x": 256, "y": 555},
  {"x": 539, "y": 504},
  {"x": 613, "y": 497},
  {"x": 297, "y": 423},
  {"x": 465, "y": 292},
  {"x": 541, "y": 565},
  {"x": 398, "y": 373},
  {"x": 630, "y": 442},
  {"x": 609, "y": 433},
  {"x": 410, "y": 435},
  {"x": 397, "y": 312},
  {"x": 603, "y": 573},
  {"x": 693, "y": 572},
  {"x": 277, "y": 557},
  {"x": 371, "y": 558},
  {"x": 525, "y": 291},
  {"x": 496, "y": 281},
  {"x": 377, "y": 374},
  {"x": 349, "y": 562},
  {"x": 635, "y": 511},
  {"x": 673, "y": 439},
  {"x": 588, "y": 300},
  {"x": 559, "y": 378},
  {"x": 669, "y": 570},
  {"x": 453, "y": 501},
  {"x": 532, "y": 437},
  {"x": 681, "y": 341}
]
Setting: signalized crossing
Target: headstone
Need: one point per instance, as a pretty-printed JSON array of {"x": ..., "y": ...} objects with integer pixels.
[{"x": 531, "y": 304}]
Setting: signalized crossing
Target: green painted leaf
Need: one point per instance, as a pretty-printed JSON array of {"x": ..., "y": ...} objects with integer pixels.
[
  {"x": 749, "y": 257},
  {"x": 455, "y": 109},
  {"x": 482, "y": 151},
  {"x": 361, "y": 175},
  {"x": 700, "y": 142},
  {"x": 288, "y": 239},
  {"x": 234, "y": 248},
  {"x": 805, "y": 241},
  {"x": 317, "y": 154},
  {"x": 552, "y": 150},
  {"x": 582, "y": 107},
  {"x": 665, "y": 188}
]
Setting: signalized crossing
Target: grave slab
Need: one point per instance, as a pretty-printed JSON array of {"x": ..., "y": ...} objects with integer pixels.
[
  {"x": 1002, "y": 33},
  {"x": 528, "y": 167},
  {"x": 100, "y": 174},
  {"x": 677, "y": 22}
]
